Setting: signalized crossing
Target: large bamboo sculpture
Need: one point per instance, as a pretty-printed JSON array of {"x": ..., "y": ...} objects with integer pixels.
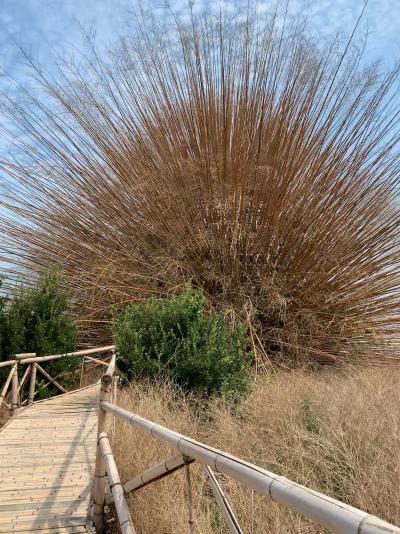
[{"x": 256, "y": 162}]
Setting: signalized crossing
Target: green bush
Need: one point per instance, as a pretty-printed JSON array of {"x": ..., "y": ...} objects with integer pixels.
[
  {"x": 38, "y": 320},
  {"x": 175, "y": 336}
]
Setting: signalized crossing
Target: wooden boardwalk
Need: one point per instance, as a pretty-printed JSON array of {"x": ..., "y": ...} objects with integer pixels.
[{"x": 47, "y": 459}]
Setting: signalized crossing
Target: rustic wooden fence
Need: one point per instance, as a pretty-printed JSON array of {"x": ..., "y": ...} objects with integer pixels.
[
  {"x": 331, "y": 513},
  {"x": 31, "y": 363}
]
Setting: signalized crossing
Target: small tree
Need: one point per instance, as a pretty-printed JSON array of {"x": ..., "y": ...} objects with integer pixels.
[
  {"x": 175, "y": 336},
  {"x": 38, "y": 319}
]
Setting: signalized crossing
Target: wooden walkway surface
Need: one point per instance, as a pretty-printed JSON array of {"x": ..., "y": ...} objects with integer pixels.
[{"x": 47, "y": 458}]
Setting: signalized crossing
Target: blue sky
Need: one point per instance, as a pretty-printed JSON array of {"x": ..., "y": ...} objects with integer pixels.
[{"x": 48, "y": 26}]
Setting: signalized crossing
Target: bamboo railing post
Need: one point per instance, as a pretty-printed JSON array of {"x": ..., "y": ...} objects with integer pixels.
[
  {"x": 114, "y": 401},
  {"x": 189, "y": 498},
  {"x": 100, "y": 474},
  {"x": 124, "y": 517},
  {"x": 6, "y": 385},
  {"x": 14, "y": 390},
  {"x": 32, "y": 383},
  {"x": 25, "y": 376},
  {"x": 81, "y": 376}
]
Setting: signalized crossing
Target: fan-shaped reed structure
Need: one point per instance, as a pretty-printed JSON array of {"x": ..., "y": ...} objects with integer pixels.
[{"x": 256, "y": 162}]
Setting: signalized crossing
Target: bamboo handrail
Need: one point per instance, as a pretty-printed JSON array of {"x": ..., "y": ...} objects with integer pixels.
[
  {"x": 68, "y": 354},
  {"x": 26, "y": 360},
  {"x": 333, "y": 514},
  {"x": 100, "y": 468},
  {"x": 7, "y": 363},
  {"x": 95, "y": 360},
  {"x": 25, "y": 355}
]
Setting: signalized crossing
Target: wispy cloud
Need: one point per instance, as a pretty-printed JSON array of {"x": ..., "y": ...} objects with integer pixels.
[{"x": 45, "y": 25}]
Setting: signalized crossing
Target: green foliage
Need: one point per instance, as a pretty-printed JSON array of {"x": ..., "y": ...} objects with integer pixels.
[
  {"x": 38, "y": 320},
  {"x": 310, "y": 418},
  {"x": 175, "y": 336}
]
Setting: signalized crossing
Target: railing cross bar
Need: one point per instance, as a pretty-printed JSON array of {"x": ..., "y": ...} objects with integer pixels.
[
  {"x": 222, "y": 500},
  {"x": 156, "y": 472}
]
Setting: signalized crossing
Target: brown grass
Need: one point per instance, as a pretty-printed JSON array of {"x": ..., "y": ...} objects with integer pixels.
[
  {"x": 259, "y": 162},
  {"x": 4, "y": 415},
  {"x": 347, "y": 444}
]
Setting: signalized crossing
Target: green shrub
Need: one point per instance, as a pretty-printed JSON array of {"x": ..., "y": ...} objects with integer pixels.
[
  {"x": 310, "y": 417},
  {"x": 38, "y": 320},
  {"x": 175, "y": 336}
]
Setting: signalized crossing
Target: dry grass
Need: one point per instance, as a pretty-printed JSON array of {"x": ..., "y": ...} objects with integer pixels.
[
  {"x": 4, "y": 415},
  {"x": 346, "y": 443},
  {"x": 246, "y": 156}
]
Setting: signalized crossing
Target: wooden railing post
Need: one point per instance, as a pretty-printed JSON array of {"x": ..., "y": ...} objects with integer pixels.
[
  {"x": 14, "y": 390},
  {"x": 6, "y": 385},
  {"x": 100, "y": 474},
  {"x": 189, "y": 498},
  {"x": 31, "y": 393}
]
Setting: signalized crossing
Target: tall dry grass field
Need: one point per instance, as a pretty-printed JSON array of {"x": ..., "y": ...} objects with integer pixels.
[
  {"x": 334, "y": 432},
  {"x": 235, "y": 151}
]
